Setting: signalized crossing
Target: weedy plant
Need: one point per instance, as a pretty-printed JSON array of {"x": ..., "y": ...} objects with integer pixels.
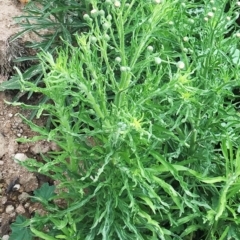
[
  {"x": 145, "y": 113},
  {"x": 50, "y": 22}
]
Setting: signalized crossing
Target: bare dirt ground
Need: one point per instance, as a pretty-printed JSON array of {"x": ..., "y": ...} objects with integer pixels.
[{"x": 16, "y": 183}]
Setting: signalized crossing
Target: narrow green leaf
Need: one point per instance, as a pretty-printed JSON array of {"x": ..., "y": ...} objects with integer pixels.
[
  {"x": 148, "y": 202},
  {"x": 173, "y": 171},
  {"x": 11, "y": 84},
  {"x": 188, "y": 171},
  {"x": 190, "y": 230},
  {"x": 223, "y": 197},
  {"x": 187, "y": 219},
  {"x": 61, "y": 237},
  {"x": 41, "y": 234},
  {"x": 171, "y": 191}
]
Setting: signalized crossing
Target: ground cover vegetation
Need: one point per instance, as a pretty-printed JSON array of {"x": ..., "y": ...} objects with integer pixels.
[{"x": 143, "y": 103}]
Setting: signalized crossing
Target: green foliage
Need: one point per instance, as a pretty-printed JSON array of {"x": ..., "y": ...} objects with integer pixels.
[
  {"x": 45, "y": 193},
  {"x": 20, "y": 229},
  {"x": 50, "y": 22},
  {"x": 144, "y": 111}
]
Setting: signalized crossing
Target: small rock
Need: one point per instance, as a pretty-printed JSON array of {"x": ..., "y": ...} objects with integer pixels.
[
  {"x": 13, "y": 215},
  {"x": 16, "y": 187},
  {"x": 5, "y": 224},
  {"x": 27, "y": 205},
  {"x": 20, "y": 209},
  {"x": 19, "y": 134},
  {"x": 5, "y": 237},
  {"x": 1, "y": 162},
  {"x": 40, "y": 147},
  {"x": 13, "y": 182},
  {"x": 54, "y": 147},
  {"x": 17, "y": 118},
  {"x": 3, "y": 147},
  {"x": 9, "y": 209},
  {"x": 29, "y": 182},
  {"x": 34, "y": 207},
  {"x": 23, "y": 197},
  {"x": 4, "y": 200},
  {"x": 1, "y": 211},
  {"x": 20, "y": 157}
]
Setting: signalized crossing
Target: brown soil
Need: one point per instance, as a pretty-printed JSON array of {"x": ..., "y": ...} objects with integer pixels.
[{"x": 16, "y": 183}]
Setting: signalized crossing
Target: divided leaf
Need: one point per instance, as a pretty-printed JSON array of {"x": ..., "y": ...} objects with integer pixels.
[
  {"x": 45, "y": 193},
  {"x": 20, "y": 229}
]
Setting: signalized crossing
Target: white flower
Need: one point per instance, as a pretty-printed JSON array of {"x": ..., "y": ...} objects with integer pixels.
[
  {"x": 180, "y": 65},
  {"x": 185, "y": 39},
  {"x": 238, "y": 34},
  {"x": 191, "y": 20},
  {"x": 109, "y": 17},
  {"x": 157, "y": 60},
  {"x": 150, "y": 48},
  {"x": 210, "y": 14},
  {"x": 118, "y": 59},
  {"x": 93, "y": 39},
  {"x": 94, "y": 13},
  {"x": 106, "y": 37},
  {"x": 106, "y": 25},
  {"x": 117, "y": 4},
  {"x": 124, "y": 69},
  {"x": 86, "y": 17},
  {"x": 101, "y": 13}
]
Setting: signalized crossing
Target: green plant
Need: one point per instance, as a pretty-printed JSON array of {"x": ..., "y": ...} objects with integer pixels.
[
  {"x": 144, "y": 112},
  {"x": 20, "y": 229},
  {"x": 48, "y": 22}
]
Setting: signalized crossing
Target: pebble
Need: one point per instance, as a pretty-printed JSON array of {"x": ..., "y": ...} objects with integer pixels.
[
  {"x": 23, "y": 197},
  {"x": 13, "y": 215},
  {"x": 19, "y": 134},
  {"x": 20, "y": 209},
  {"x": 40, "y": 147},
  {"x": 9, "y": 209},
  {"x": 20, "y": 157},
  {"x": 5, "y": 237},
  {"x": 4, "y": 200},
  {"x": 27, "y": 205},
  {"x": 1, "y": 211},
  {"x": 16, "y": 187},
  {"x": 1, "y": 162},
  {"x": 3, "y": 148}
]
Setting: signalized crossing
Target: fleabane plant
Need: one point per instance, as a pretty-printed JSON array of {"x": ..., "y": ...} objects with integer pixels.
[{"x": 142, "y": 111}]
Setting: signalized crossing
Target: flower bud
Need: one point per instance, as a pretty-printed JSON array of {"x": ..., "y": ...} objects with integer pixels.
[{"x": 157, "y": 60}]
